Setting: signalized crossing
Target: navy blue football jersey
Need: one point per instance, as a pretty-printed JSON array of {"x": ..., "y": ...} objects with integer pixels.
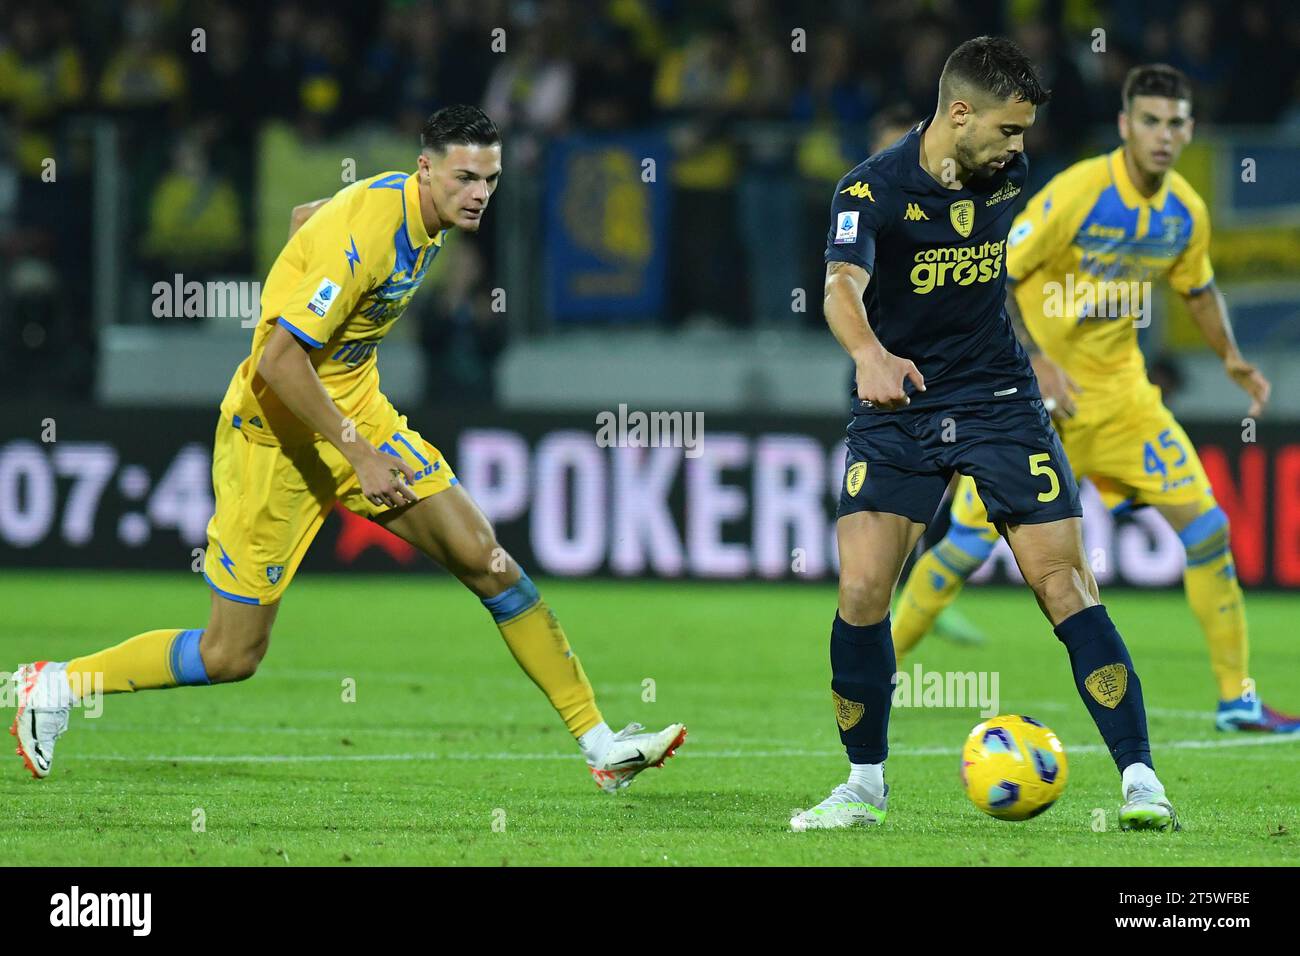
[{"x": 937, "y": 260}]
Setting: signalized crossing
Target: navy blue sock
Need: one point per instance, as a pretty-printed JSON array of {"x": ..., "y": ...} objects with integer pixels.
[
  {"x": 862, "y": 683},
  {"x": 1104, "y": 675}
]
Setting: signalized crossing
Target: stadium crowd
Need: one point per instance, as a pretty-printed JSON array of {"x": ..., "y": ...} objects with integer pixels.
[{"x": 709, "y": 73}]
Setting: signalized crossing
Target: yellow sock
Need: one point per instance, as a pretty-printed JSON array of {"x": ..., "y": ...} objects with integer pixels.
[
  {"x": 1216, "y": 599},
  {"x": 934, "y": 583},
  {"x": 538, "y": 643},
  {"x": 166, "y": 658}
]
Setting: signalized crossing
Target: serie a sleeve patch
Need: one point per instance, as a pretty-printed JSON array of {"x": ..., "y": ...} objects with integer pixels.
[
  {"x": 326, "y": 293},
  {"x": 846, "y": 227}
]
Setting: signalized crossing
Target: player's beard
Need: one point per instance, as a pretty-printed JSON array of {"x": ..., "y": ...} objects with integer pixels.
[{"x": 969, "y": 162}]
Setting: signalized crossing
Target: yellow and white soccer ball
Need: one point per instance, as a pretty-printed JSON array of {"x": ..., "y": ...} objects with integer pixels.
[{"x": 1013, "y": 767}]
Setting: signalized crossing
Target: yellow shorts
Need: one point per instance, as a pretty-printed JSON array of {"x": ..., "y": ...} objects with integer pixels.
[
  {"x": 1140, "y": 457},
  {"x": 272, "y": 500}
]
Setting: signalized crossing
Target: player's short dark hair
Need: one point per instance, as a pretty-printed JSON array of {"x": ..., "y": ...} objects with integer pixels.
[
  {"x": 458, "y": 125},
  {"x": 994, "y": 66},
  {"x": 1156, "y": 79}
]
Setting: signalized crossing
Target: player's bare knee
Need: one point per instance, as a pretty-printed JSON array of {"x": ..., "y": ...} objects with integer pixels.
[
  {"x": 233, "y": 654},
  {"x": 492, "y": 571},
  {"x": 863, "y": 601},
  {"x": 231, "y": 665},
  {"x": 1064, "y": 590}
]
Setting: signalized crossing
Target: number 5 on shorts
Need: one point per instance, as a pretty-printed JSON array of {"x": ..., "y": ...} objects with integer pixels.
[{"x": 1038, "y": 466}]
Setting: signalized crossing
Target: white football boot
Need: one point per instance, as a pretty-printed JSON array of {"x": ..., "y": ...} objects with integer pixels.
[
  {"x": 847, "y": 806},
  {"x": 44, "y": 701},
  {"x": 629, "y": 752},
  {"x": 1147, "y": 808}
]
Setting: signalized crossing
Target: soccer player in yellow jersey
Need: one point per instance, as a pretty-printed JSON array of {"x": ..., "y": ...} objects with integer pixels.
[
  {"x": 1079, "y": 255},
  {"x": 304, "y": 424}
]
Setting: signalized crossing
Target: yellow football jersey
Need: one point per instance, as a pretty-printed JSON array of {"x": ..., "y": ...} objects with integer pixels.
[
  {"x": 1079, "y": 255},
  {"x": 338, "y": 285}
]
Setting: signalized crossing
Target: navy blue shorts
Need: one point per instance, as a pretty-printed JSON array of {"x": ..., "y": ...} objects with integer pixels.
[{"x": 901, "y": 462}]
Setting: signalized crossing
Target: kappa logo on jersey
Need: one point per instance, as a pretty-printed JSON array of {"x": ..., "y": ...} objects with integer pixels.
[
  {"x": 859, "y": 190},
  {"x": 274, "y": 572},
  {"x": 915, "y": 213},
  {"x": 326, "y": 292},
  {"x": 1008, "y": 191},
  {"x": 846, "y": 229},
  {"x": 962, "y": 214}
]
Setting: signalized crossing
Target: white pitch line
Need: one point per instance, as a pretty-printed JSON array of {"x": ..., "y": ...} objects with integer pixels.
[
  {"x": 1058, "y": 705},
  {"x": 185, "y": 728},
  {"x": 1276, "y": 739}
]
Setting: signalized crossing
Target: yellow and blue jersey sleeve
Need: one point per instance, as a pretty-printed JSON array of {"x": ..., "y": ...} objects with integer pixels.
[
  {"x": 1045, "y": 229},
  {"x": 327, "y": 267},
  {"x": 1192, "y": 271}
]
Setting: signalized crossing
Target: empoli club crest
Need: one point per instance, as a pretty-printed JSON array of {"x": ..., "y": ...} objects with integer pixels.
[
  {"x": 1108, "y": 684},
  {"x": 847, "y": 712},
  {"x": 962, "y": 214},
  {"x": 857, "y": 474}
]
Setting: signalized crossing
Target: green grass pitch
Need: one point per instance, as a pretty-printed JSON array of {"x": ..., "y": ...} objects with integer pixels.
[{"x": 449, "y": 755}]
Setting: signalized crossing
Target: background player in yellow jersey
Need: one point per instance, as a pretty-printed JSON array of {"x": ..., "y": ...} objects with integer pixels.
[
  {"x": 303, "y": 425},
  {"x": 1079, "y": 254}
]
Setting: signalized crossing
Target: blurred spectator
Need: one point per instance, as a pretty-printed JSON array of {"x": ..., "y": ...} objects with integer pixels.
[
  {"x": 194, "y": 218},
  {"x": 461, "y": 334},
  {"x": 1197, "y": 53},
  {"x": 925, "y": 49},
  {"x": 702, "y": 85},
  {"x": 530, "y": 93},
  {"x": 281, "y": 59},
  {"x": 325, "y": 76},
  {"x": 46, "y": 345},
  {"x": 891, "y": 125},
  {"x": 1106, "y": 87},
  {"x": 388, "y": 63},
  {"x": 227, "y": 92},
  {"x": 1266, "y": 64},
  {"x": 833, "y": 101},
  {"x": 1050, "y": 140},
  {"x": 463, "y": 63},
  {"x": 41, "y": 77},
  {"x": 836, "y": 89},
  {"x": 143, "y": 74},
  {"x": 613, "y": 82},
  {"x": 227, "y": 103},
  {"x": 766, "y": 51}
]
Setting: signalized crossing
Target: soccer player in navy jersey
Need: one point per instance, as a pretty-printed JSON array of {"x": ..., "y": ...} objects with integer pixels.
[{"x": 943, "y": 386}]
